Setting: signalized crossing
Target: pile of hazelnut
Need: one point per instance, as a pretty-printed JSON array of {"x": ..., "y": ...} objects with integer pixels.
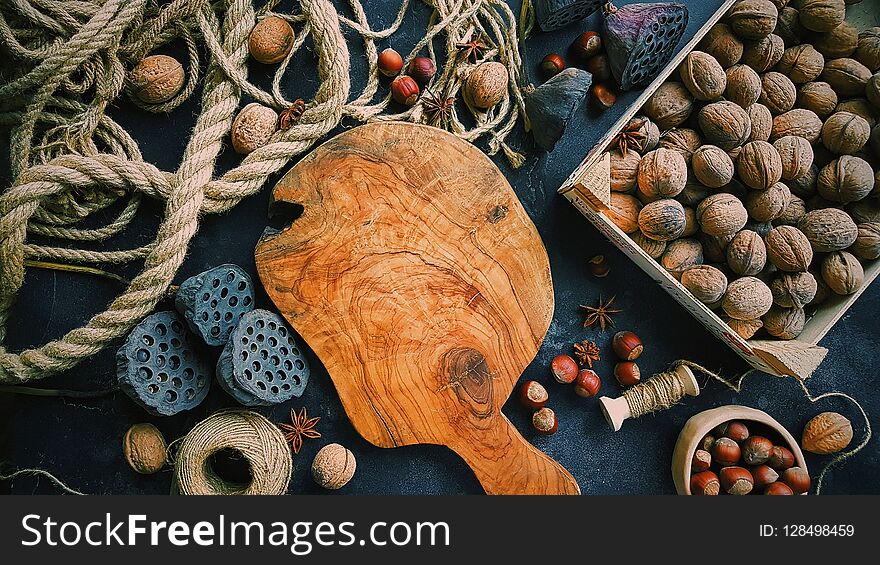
[
  {"x": 587, "y": 49},
  {"x": 753, "y": 176},
  {"x": 732, "y": 461}
]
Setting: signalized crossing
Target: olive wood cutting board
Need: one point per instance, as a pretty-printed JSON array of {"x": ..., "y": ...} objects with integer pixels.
[{"x": 417, "y": 278}]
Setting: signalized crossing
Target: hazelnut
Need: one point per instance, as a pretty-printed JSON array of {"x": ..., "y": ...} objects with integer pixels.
[
  {"x": 725, "y": 124},
  {"x": 544, "y": 421},
  {"x": 669, "y": 106},
  {"x": 867, "y": 243},
  {"x": 271, "y": 40},
  {"x": 663, "y": 220},
  {"x": 587, "y": 384},
  {"x": 486, "y": 85},
  {"x": 797, "y": 479},
  {"x": 752, "y": 19},
  {"x": 404, "y": 90},
  {"x": 721, "y": 214},
  {"x": 778, "y": 489},
  {"x": 821, "y": 15},
  {"x": 624, "y": 212},
  {"x": 734, "y": 429},
  {"x": 721, "y": 43},
  {"x": 846, "y": 76},
  {"x": 389, "y": 62},
  {"x": 778, "y": 92},
  {"x": 552, "y": 65},
  {"x": 253, "y": 127},
  {"x": 701, "y": 461},
  {"x": 747, "y": 298},
  {"x": 706, "y": 443},
  {"x": 705, "y": 484},
  {"x": 764, "y": 475},
  {"x": 762, "y": 122},
  {"x": 532, "y": 394},
  {"x": 725, "y": 452},
  {"x": 144, "y": 448},
  {"x": 800, "y": 122},
  {"x": 763, "y": 54},
  {"x": 845, "y": 180},
  {"x": 746, "y": 253},
  {"x": 780, "y": 458},
  {"x": 707, "y": 283},
  {"x": 703, "y": 76},
  {"x": 586, "y": 45},
  {"x": 817, "y": 96},
  {"x": 796, "y": 155},
  {"x": 868, "y": 50},
  {"x": 627, "y": 373},
  {"x": 828, "y": 229},
  {"x": 842, "y": 272},
  {"x": 601, "y": 96},
  {"x": 627, "y": 345},
  {"x": 712, "y": 166},
  {"x": 827, "y": 433},
  {"x": 599, "y": 67},
  {"x": 599, "y": 266},
  {"x": 794, "y": 290},
  {"x": 743, "y": 85},
  {"x": 333, "y": 466},
  {"x": 682, "y": 140},
  {"x": 156, "y": 79},
  {"x": 736, "y": 480},
  {"x": 756, "y": 450},
  {"x": 653, "y": 248},
  {"x": 801, "y": 63},
  {"x": 841, "y": 41},
  {"x": 564, "y": 369},
  {"x": 423, "y": 69}
]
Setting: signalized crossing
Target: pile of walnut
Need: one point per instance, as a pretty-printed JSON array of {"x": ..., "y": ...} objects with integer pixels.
[{"x": 752, "y": 176}]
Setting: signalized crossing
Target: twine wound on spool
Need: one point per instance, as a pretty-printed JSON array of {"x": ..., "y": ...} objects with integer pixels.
[
  {"x": 658, "y": 393},
  {"x": 258, "y": 440}
]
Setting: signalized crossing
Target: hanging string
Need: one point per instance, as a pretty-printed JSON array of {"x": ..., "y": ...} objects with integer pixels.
[{"x": 41, "y": 473}]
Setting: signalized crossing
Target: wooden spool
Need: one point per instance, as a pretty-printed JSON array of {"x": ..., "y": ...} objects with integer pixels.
[{"x": 616, "y": 410}]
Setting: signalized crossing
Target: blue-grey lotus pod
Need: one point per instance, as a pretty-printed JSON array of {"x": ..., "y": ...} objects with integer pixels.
[
  {"x": 554, "y": 14},
  {"x": 551, "y": 106}
]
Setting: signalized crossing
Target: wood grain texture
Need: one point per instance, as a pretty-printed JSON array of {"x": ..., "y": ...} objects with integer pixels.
[{"x": 417, "y": 278}]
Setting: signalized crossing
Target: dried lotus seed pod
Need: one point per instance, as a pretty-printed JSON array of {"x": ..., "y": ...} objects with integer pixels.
[
  {"x": 778, "y": 92},
  {"x": 745, "y": 329},
  {"x": 793, "y": 212},
  {"x": 707, "y": 283},
  {"x": 214, "y": 301},
  {"x": 794, "y": 290},
  {"x": 683, "y": 140},
  {"x": 822, "y": 15},
  {"x": 161, "y": 367},
  {"x": 624, "y": 170},
  {"x": 743, "y": 85},
  {"x": 800, "y": 122},
  {"x": 805, "y": 185},
  {"x": 762, "y": 122},
  {"x": 663, "y": 220},
  {"x": 796, "y": 155},
  {"x": 623, "y": 211},
  {"x": 261, "y": 364},
  {"x": 828, "y": 229},
  {"x": 801, "y": 63},
  {"x": 841, "y": 41},
  {"x": 662, "y": 172},
  {"x": 253, "y": 127},
  {"x": 845, "y": 133},
  {"x": 762, "y": 55},
  {"x": 868, "y": 50},
  {"x": 721, "y": 214},
  {"x": 752, "y": 19},
  {"x": 652, "y": 247},
  {"x": 789, "y": 249},
  {"x": 725, "y": 124},
  {"x": 746, "y": 254},
  {"x": 703, "y": 76},
  {"x": 788, "y": 26},
  {"x": 759, "y": 165},
  {"x": 845, "y": 180},
  {"x": 846, "y": 76},
  {"x": 747, "y": 298},
  {"x": 156, "y": 79},
  {"x": 723, "y": 44},
  {"x": 681, "y": 255},
  {"x": 784, "y": 323},
  {"x": 669, "y": 106},
  {"x": 817, "y": 96},
  {"x": 271, "y": 40},
  {"x": 712, "y": 166},
  {"x": 842, "y": 272}
]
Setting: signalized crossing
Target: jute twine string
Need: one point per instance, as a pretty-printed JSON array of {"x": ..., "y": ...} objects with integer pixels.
[
  {"x": 258, "y": 440},
  {"x": 70, "y": 160},
  {"x": 659, "y": 392}
]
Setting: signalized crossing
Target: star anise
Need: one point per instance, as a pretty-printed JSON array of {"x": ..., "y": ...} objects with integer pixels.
[
  {"x": 599, "y": 314},
  {"x": 632, "y": 134},
  {"x": 472, "y": 49},
  {"x": 586, "y": 352},
  {"x": 301, "y": 426},
  {"x": 291, "y": 115},
  {"x": 438, "y": 108}
]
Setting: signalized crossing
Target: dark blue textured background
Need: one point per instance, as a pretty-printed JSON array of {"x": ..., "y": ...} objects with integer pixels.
[{"x": 80, "y": 440}]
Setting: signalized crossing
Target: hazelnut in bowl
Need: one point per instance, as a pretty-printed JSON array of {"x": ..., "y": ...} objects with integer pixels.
[{"x": 738, "y": 450}]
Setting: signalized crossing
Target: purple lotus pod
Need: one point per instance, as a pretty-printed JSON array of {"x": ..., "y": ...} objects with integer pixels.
[
  {"x": 640, "y": 39},
  {"x": 554, "y": 14},
  {"x": 551, "y": 105}
]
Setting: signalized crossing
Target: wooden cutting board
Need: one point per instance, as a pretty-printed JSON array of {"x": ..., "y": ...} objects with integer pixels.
[{"x": 417, "y": 278}]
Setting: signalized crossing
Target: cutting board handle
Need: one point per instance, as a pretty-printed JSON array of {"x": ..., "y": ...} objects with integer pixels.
[{"x": 505, "y": 463}]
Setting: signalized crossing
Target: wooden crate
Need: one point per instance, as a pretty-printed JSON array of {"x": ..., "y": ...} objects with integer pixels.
[{"x": 588, "y": 188}]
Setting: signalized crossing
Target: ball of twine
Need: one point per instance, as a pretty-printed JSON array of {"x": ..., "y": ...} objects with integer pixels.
[{"x": 258, "y": 440}]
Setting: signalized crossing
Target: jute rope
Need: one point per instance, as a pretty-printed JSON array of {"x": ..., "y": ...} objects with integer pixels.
[
  {"x": 70, "y": 160},
  {"x": 659, "y": 392},
  {"x": 258, "y": 440}
]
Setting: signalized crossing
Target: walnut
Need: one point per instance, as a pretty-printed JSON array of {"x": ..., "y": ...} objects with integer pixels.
[
  {"x": 683, "y": 140},
  {"x": 652, "y": 247},
  {"x": 715, "y": 247},
  {"x": 828, "y": 229},
  {"x": 486, "y": 85},
  {"x": 793, "y": 212},
  {"x": 868, "y": 51},
  {"x": 721, "y": 43},
  {"x": 707, "y": 283},
  {"x": 156, "y": 79},
  {"x": 778, "y": 93},
  {"x": 624, "y": 211},
  {"x": 746, "y": 329},
  {"x": 746, "y": 253},
  {"x": 822, "y": 15},
  {"x": 694, "y": 191},
  {"x": 867, "y": 210},
  {"x": 669, "y": 106},
  {"x": 817, "y": 96},
  {"x": 662, "y": 173},
  {"x": 801, "y": 63},
  {"x": 860, "y": 107},
  {"x": 827, "y": 433},
  {"x": 712, "y": 166},
  {"x": 845, "y": 180},
  {"x": 760, "y": 228},
  {"x": 253, "y": 127},
  {"x": 761, "y": 120},
  {"x": 703, "y": 76},
  {"x": 796, "y": 155},
  {"x": 682, "y": 254},
  {"x": 793, "y": 290},
  {"x": 841, "y": 41},
  {"x": 805, "y": 185},
  {"x": 767, "y": 205},
  {"x": 764, "y": 54},
  {"x": 800, "y": 122},
  {"x": 874, "y": 141},
  {"x": 845, "y": 133},
  {"x": 725, "y": 124},
  {"x": 788, "y": 26},
  {"x": 752, "y": 19},
  {"x": 271, "y": 40},
  {"x": 784, "y": 323},
  {"x": 743, "y": 85},
  {"x": 842, "y": 272},
  {"x": 867, "y": 243},
  {"x": 721, "y": 214},
  {"x": 872, "y": 90},
  {"x": 624, "y": 170},
  {"x": 846, "y": 76},
  {"x": 759, "y": 165},
  {"x": 663, "y": 220},
  {"x": 691, "y": 225},
  {"x": 823, "y": 291},
  {"x": 333, "y": 466},
  {"x": 747, "y": 298},
  {"x": 144, "y": 449},
  {"x": 789, "y": 249}
]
